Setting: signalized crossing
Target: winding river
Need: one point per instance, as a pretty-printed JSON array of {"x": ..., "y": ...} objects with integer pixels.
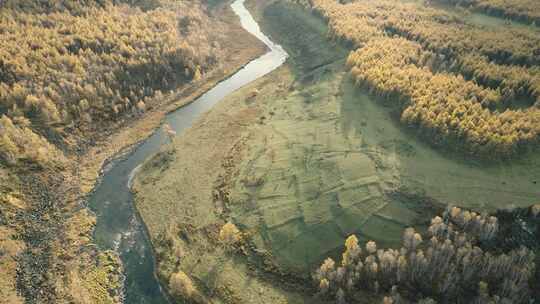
[{"x": 118, "y": 225}]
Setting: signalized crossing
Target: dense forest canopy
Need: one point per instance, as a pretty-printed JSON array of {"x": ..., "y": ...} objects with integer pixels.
[
  {"x": 520, "y": 10},
  {"x": 71, "y": 6},
  {"x": 459, "y": 82},
  {"x": 70, "y": 68}
]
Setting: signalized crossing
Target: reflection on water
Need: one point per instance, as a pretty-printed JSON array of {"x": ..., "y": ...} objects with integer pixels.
[{"x": 118, "y": 225}]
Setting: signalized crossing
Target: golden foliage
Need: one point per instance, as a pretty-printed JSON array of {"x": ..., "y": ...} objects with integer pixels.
[
  {"x": 181, "y": 285},
  {"x": 456, "y": 81},
  {"x": 10, "y": 247},
  {"x": 351, "y": 243},
  {"x": 75, "y": 7},
  {"x": 98, "y": 282},
  {"x": 443, "y": 103},
  {"x": 229, "y": 234},
  {"x": 19, "y": 143},
  {"x": 12, "y": 200},
  {"x": 535, "y": 209},
  {"x": 70, "y": 75},
  {"x": 352, "y": 250}
]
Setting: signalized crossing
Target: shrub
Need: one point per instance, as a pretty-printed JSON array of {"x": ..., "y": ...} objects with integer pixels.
[
  {"x": 181, "y": 285},
  {"x": 19, "y": 143},
  {"x": 229, "y": 235}
]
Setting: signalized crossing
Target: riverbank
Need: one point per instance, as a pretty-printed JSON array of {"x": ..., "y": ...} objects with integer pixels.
[
  {"x": 118, "y": 225},
  {"x": 239, "y": 46},
  {"x": 64, "y": 265},
  {"x": 299, "y": 160},
  {"x": 182, "y": 192},
  {"x": 184, "y": 230}
]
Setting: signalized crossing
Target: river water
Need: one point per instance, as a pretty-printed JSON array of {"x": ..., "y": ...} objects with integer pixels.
[{"x": 118, "y": 225}]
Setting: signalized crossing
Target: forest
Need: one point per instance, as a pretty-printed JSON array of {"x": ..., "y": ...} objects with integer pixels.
[
  {"x": 527, "y": 11},
  {"x": 472, "y": 87},
  {"x": 69, "y": 69},
  {"x": 74, "y": 7},
  {"x": 456, "y": 265},
  {"x": 71, "y": 74}
]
